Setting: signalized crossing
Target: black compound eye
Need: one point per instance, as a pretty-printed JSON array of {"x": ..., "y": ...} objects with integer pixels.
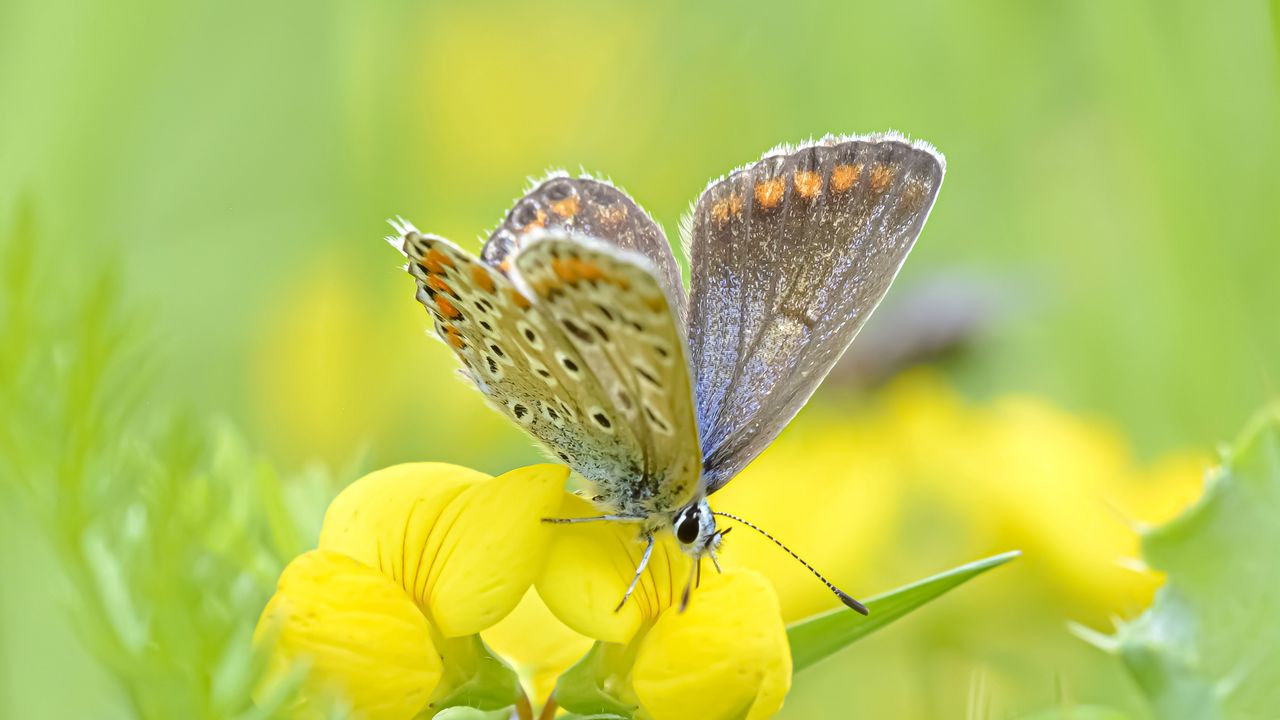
[{"x": 687, "y": 527}]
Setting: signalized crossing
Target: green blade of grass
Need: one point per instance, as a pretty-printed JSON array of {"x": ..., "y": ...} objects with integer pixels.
[{"x": 815, "y": 638}]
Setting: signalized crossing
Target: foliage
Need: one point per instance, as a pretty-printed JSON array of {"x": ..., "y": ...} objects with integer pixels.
[
  {"x": 1209, "y": 646},
  {"x": 170, "y": 532},
  {"x": 585, "y": 687},
  {"x": 819, "y": 636}
]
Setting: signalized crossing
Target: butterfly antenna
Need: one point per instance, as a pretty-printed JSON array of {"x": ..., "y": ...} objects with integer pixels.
[{"x": 844, "y": 597}]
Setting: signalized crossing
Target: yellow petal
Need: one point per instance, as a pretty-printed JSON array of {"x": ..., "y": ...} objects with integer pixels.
[
  {"x": 487, "y": 547},
  {"x": 589, "y": 566},
  {"x": 726, "y": 656},
  {"x": 537, "y": 644},
  {"x": 1166, "y": 489},
  {"x": 384, "y": 518},
  {"x": 365, "y": 640},
  {"x": 464, "y": 545}
]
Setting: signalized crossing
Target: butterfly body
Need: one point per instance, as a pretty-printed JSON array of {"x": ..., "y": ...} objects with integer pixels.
[{"x": 573, "y": 321}]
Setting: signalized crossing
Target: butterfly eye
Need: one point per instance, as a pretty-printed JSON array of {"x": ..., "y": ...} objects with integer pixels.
[{"x": 687, "y": 526}]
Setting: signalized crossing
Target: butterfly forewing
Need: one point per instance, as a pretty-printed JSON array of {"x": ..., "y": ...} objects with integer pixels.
[
  {"x": 789, "y": 257},
  {"x": 587, "y": 207},
  {"x": 612, "y": 309},
  {"x": 517, "y": 357}
]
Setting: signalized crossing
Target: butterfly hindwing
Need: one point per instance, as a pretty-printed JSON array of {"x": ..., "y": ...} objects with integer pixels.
[
  {"x": 790, "y": 255},
  {"x": 587, "y": 207},
  {"x": 618, "y": 317},
  {"x": 516, "y": 357}
]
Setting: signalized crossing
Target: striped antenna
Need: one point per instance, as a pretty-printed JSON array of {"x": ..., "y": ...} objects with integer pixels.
[{"x": 844, "y": 597}]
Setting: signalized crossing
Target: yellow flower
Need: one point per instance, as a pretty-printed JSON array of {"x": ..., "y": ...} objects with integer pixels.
[
  {"x": 830, "y": 493},
  {"x": 537, "y": 644},
  {"x": 725, "y": 656},
  {"x": 323, "y": 386},
  {"x": 411, "y": 558},
  {"x": 918, "y": 472}
]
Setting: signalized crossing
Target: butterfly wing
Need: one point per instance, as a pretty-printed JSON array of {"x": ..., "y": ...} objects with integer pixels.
[
  {"x": 591, "y": 208},
  {"x": 618, "y": 317},
  {"x": 517, "y": 357},
  {"x": 790, "y": 256}
]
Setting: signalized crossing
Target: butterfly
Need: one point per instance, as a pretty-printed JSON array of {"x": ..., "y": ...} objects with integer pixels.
[{"x": 573, "y": 321}]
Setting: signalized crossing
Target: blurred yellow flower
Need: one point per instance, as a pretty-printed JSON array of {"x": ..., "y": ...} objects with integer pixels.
[
  {"x": 828, "y": 491},
  {"x": 323, "y": 387},
  {"x": 916, "y": 471},
  {"x": 725, "y": 656},
  {"x": 410, "y": 559}
]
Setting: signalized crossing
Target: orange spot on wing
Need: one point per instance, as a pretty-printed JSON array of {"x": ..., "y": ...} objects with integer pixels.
[
  {"x": 844, "y": 177},
  {"x": 880, "y": 177},
  {"x": 588, "y": 270},
  {"x": 808, "y": 183},
  {"x": 567, "y": 207},
  {"x": 482, "y": 278},
  {"x": 564, "y": 269},
  {"x": 540, "y": 221},
  {"x": 722, "y": 210},
  {"x": 769, "y": 192},
  {"x": 436, "y": 261},
  {"x": 446, "y": 308},
  {"x": 520, "y": 301},
  {"x": 439, "y": 285},
  {"x": 454, "y": 338}
]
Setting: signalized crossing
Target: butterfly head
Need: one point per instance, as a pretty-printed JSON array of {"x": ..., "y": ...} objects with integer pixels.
[{"x": 694, "y": 526}]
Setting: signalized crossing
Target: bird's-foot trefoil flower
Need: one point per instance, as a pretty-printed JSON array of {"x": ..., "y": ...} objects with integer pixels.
[
  {"x": 413, "y": 561},
  {"x": 724, "y": 656},
  {"x": 416, "y": 563}
]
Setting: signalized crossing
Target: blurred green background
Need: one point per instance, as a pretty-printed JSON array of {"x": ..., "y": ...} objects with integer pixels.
[{"x": 1111, "y": 191}]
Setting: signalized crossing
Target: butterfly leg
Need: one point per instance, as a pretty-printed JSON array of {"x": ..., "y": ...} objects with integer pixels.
[
  {"x": 597, "y": 518},
  {"x": 644, "y": 562},
  {"x": 695, "y": 580}
]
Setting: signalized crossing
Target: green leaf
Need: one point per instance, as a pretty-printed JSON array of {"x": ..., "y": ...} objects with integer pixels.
[
  {"x": 1209, "y": 645},
  {"x": 585, "y": 687},
  {"x": 460, "y": 712},
  {"x": 817, "y": 637},
  {"x": 474, "y": 677}
]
